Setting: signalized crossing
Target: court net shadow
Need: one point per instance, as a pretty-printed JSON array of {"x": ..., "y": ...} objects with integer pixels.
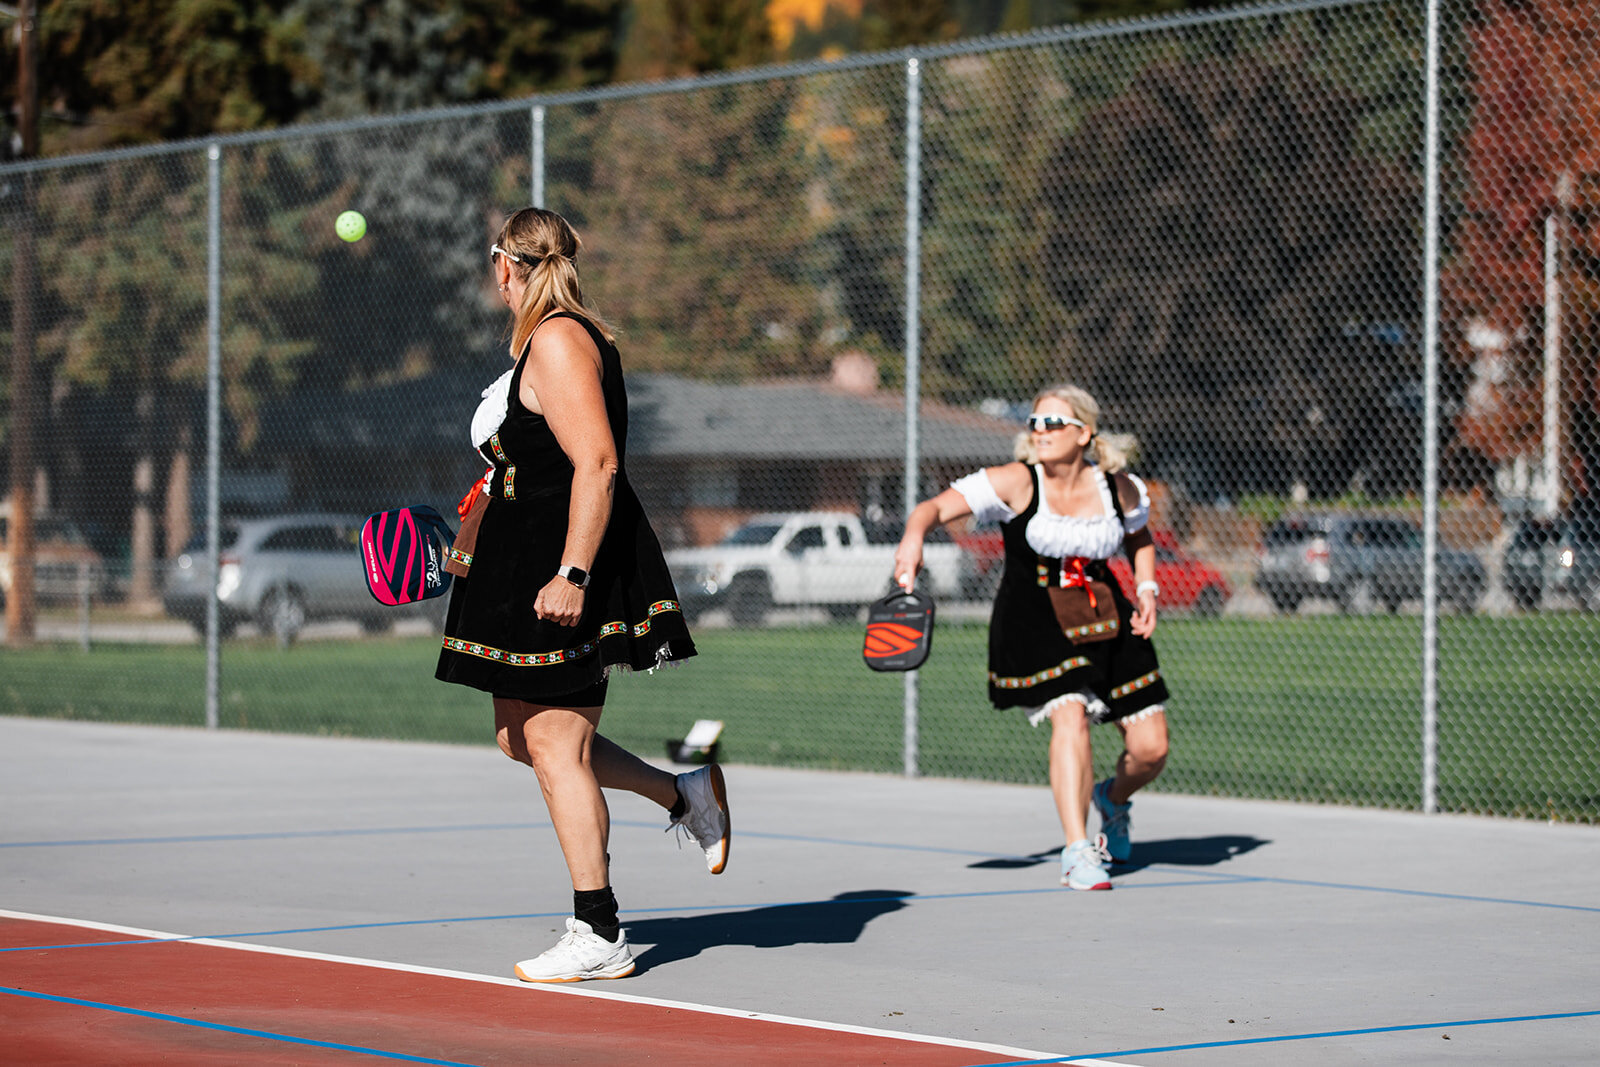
[
  {"x": 1174, "y": 851},
  {"x": 836, "y": 921}
]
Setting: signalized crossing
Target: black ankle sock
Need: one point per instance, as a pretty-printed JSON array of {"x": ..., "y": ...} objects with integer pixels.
[
  {"x": 598, "y": 908},
  {"x": 680, "y": 808}
]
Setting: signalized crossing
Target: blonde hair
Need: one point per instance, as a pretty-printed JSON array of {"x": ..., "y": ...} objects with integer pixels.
[
  {"x": 543, "y": 249},
  {"x": 1110, "y": 452}
]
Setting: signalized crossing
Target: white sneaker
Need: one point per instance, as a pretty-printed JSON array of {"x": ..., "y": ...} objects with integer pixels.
[
  {"x": 1083, "y": 864},
  {"x": 707, "y": 818},
  {"x": 580, "y": 954}
]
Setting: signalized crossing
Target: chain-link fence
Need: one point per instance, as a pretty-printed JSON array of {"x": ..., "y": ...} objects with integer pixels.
[{"x": 1379, "y": 552}]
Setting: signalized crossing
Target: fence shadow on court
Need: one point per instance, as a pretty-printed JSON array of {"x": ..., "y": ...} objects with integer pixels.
[
  {"x": 837, "y": 921},
  {"x": 1173, "y": 851}
]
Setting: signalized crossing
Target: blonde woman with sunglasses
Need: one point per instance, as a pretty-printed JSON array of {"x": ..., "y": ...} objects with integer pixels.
[
  {"x": 561, "y": 580},
  {"x": 1065, "y": 507}
]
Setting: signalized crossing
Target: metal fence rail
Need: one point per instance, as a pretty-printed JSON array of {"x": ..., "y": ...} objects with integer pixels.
[{"x": 1329, "y": 262}]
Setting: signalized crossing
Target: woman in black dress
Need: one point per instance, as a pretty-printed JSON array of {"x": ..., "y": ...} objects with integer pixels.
[
  {"x": 560, "y": 580},
  {"x": 1065, "y": 507}
]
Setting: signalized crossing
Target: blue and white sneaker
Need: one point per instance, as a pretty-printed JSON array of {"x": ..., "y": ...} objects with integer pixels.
[
  {"x": 1083, "y": 865},
  {"x": 1116, "y": 823}
]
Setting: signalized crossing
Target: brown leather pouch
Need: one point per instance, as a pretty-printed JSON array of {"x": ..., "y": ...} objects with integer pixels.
[
  {"x": 459, "y": 559},
  {"x": 1086, "y": 613}
]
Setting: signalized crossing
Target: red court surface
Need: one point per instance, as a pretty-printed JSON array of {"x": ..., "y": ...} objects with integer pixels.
[{"x": 77, "y": 994}]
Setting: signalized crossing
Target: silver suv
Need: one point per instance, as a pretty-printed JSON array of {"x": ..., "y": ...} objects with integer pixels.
[
  {"x": 282, "y": 572},
  {"x": 1347, "y": 558}
]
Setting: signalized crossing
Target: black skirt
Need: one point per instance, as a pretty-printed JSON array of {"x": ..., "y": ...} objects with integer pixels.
[{"x": 631, "y": 617}]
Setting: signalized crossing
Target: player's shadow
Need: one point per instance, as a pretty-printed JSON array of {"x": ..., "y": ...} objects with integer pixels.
[
  {"x": 1175, "y": 851},
  {"x": 837, "y": 921}
]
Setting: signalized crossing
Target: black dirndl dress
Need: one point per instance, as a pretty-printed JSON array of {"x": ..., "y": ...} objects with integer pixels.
[
  {"x": 1031, "y": 662},
  {"x": 631, "y": 617}
]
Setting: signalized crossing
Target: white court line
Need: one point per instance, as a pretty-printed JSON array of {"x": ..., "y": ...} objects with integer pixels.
[{"x": 565, "y": 990}]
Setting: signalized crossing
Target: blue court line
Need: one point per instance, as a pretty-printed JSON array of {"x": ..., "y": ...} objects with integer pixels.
[
  {"x": 270, "y": 835},
  {"x": 266, "y": 1035},
  {"x": 1212, "y": 877},
  {"x": 1430, "y": 894},
  {"x": 683, "y": 909},
  {"x": 1301, "y": 1037}
]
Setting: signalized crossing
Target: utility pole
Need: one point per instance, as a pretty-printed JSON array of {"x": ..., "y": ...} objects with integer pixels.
[{"x": 20, "y": 603}]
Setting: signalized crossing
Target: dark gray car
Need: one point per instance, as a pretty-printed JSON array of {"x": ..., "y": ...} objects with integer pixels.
[{"x": 1348, "y": 557}]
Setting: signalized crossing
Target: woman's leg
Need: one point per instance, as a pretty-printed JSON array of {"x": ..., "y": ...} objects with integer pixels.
[
  {"x": 1071, "y": 767},
  {"x": 617, "y": 768},
  {"x": 558, "y": 743},
  {"x": 1144, "y": 753}
]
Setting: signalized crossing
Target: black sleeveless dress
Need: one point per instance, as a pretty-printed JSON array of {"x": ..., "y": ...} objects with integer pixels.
[
  {"x": 1031, "y": 662},
  {"x": 631, "y": 617}
]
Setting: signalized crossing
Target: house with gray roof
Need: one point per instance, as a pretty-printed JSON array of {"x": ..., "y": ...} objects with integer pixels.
[{"x": 702, "y": 455}]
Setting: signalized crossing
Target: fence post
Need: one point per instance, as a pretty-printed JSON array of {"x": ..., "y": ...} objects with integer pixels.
[
  {"x": 538, "y": 155},
  {"x": 1430, "y": 425},
  {"x": 913, "y": 354},
  {"x": 213, "y": 428}
]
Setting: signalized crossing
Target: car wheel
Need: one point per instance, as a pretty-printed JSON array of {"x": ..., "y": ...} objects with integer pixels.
[
  {"x": 1286, "y": 603},
  {"x": 376, "y": 624},
  {"x": 843, "y": 612},
  {"x": 1209, "y": 603},
  {"x": 1353, "y": 597},
  {"x": 282, "y": 614},
  {"x": 749, "y": 600}
]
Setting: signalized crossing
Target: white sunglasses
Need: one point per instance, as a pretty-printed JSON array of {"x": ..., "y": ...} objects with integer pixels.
[
  {"x": 496, "y": 250},
  {"x": 1039, "y": 423}
]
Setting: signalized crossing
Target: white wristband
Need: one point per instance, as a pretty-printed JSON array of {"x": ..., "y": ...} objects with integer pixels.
[{"x": 1155, "y": 590}]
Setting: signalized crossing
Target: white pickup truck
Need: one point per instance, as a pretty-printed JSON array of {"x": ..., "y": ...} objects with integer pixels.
[{"x": 806, "y": 559}]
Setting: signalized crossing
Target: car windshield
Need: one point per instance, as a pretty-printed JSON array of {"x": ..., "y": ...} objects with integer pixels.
[
  {"x": 756, "y": 533},
  {"x": 197, "y": 543},
  {"x": 1288, "y": 533}
]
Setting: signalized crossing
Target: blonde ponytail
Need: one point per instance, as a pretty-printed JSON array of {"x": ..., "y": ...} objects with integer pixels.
[{"x": 543, "y": 250}]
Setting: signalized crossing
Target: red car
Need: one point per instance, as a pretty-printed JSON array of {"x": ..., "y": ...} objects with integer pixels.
[{"x": 1187, "y": 582}]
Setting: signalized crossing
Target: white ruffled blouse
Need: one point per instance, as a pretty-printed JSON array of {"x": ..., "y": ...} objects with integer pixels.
[{"x": 1060, "y": 536}]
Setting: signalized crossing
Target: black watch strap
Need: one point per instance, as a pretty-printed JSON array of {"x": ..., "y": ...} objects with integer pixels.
[{"x": 576, "y": 575}]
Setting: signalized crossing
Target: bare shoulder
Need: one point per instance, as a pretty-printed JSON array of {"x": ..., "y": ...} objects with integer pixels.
[
  {"x": 563, "y": 336},
  {"x": 1013, "y": 483},
  {"x": 1127, "y": 490}
]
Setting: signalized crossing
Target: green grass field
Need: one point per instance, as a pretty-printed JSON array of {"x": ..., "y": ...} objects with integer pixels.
[{"x": 1309, "y": 708}]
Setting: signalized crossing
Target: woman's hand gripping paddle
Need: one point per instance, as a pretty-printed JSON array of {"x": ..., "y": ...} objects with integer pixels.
[{"x": 899, "y": 631}]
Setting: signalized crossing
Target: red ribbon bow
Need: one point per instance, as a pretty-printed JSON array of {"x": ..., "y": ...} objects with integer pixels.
[
  {"x": 1072, "y": 574},
  {"x": 479, "y": 486}
]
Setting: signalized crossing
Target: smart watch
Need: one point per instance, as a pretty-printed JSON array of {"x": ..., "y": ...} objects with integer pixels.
[{"x": 576, "y": 575}]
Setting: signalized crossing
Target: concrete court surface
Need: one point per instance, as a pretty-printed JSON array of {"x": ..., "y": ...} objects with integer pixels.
[{"x": 1244, "y": 932}]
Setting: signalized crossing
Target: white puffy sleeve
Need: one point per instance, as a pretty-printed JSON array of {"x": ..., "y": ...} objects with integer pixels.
[
  {"x": 1137, "y": 518},
  {"x": 985, "y": 503}
]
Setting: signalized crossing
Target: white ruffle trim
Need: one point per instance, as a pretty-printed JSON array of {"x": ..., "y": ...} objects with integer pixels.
[{"x": 1093, "y": 707}]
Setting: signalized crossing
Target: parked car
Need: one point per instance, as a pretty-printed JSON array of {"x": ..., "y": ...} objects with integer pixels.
[
  {"x": 1556, "y": 557},
  {"x": 1341, "y": 557},
  {"x": 64, "y": 564},
  {"x": 282, "y": 572},
  {"x": 1187, "y": 582},
  {"x": 805, "y": 558}
]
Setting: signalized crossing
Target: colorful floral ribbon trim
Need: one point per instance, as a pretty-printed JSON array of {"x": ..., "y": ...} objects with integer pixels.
[
  {"x": 1134, "y": 686},
  {"x": 566, "y": 655},
  {"x": 1046, "y": 675}
]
